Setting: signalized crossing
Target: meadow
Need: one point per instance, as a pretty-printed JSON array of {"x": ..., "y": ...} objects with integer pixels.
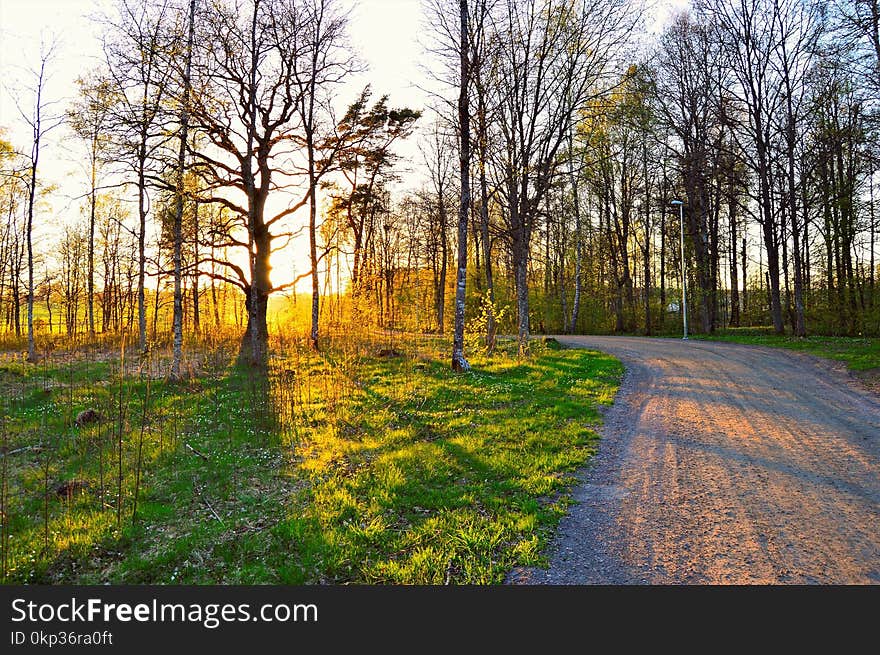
[{"x": 370, "y": 462}]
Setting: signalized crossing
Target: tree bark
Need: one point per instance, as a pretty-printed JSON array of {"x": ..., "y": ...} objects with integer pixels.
[
  {"x": 459, "y": 363},
  {"x": 732, "y": 207},
  {"x": 90, "y": 282},
  {"x": 257, "y": 331},
  {"x": 177, "y": 233},
  {"x": 576, "y": 205}
]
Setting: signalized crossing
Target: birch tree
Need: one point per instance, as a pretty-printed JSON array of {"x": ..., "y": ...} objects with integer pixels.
[
  {"x": 41, "y": 120},
  {"x": 459, "y": 363},
  {"x": 177, "y": 230}
]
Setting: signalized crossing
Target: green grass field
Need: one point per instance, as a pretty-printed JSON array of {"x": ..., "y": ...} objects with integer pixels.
[
  {"x": 348, "y": 467},
  {"x": 859, "y": 353}
]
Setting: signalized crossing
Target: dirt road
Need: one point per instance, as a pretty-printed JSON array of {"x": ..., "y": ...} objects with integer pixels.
[{"x": 725, "y": 464}]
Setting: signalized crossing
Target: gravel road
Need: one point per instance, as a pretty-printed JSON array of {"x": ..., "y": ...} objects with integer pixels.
[{"x": 724, "y": 464}]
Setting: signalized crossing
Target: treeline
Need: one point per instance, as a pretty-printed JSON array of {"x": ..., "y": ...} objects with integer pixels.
[
  {"x": 215, "y": 138},
  {"x": 214, "y": 124},
  {"x": 759, "y": 115}
]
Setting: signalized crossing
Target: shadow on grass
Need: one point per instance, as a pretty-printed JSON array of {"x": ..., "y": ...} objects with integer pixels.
[
  {"x": 411, "y": 474},
  {"x": 462, "y": 476}
]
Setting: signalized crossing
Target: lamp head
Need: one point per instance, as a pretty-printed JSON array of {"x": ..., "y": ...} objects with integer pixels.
[{"x": 676, "y": 202}]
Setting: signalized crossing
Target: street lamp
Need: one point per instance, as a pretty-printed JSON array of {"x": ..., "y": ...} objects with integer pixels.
[{"x": 684, "y": 302}]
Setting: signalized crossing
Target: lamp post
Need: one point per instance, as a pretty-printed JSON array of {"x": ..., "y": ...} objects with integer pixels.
[{"x": 684, "y": 302}]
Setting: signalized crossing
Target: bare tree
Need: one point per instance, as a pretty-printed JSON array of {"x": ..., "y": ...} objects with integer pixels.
[
  {"x": 325, "y": 63},
  {"x": 554, "y": 57},
  {"x": 135, "y": 47},
  {"x": 446, "y": 44},
  {"x": 246, "y": 109},
  {"x": 574, "y": 164},
  {"x": 798, "y": 29},
  {"x": 438, "y": 161},
  {"x": 41, "y": 121},
  {"x": 748, "y": 33},
  {"x": 685, "y": 96},
  {"x": 858, "y": 21},
  {"x": 483, "y": 59},
  {"x": 88, "y": 118}
]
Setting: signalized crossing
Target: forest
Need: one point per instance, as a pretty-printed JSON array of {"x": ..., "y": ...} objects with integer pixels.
[
  {"x": 758, "y": 116},
  {"x": 236, "y": 221}
]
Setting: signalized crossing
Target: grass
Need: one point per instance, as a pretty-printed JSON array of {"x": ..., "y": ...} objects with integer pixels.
[
  {"x": 346, "y": 467},
  {"x": 861, "y": 354}
]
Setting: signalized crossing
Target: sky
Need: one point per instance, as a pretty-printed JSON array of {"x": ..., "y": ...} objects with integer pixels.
[{"x": 385, "y": 32}]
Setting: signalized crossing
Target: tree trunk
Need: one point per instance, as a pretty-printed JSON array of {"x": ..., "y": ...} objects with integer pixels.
[
  {"x": 214, "y": 300},
  {"x": 49, "y": 307},
  {"x": 575, "y": 199},
  {"x": 786, "y": 278},
  {"x": 32, "y": 195},
  {"x": 768, "y": 231},
  {"x": 800, "y": 329},
  {"x": 90, "y": 282},
  {"x": 459, "y": 363},
  {"x": 256, "y": 334},
  {"x": 745, "y": 271},
  {"x": 440, "y": 290},
  {"x": 197, "y": 315},
  {"x": 485, "y": 237},
  {"x": 256, "y": 330},
  {"x": 664, "y": 203},
  {"x": 177, "y": 234},
  {"x": 32, "y": 353},
  {"x": 142, "y": 255},
  {"x": 646, "y": 251},
  {"x": 521, "y": 267},
  {"x": 732, "y": 207},
  {"x": 313, "y": 252},
  {"x": 308, "y": 119},
  {"x": 873, "y": 228}
]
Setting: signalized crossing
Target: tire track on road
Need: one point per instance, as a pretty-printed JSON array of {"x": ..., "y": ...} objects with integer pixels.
[{"x": 723, "y": 463}]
